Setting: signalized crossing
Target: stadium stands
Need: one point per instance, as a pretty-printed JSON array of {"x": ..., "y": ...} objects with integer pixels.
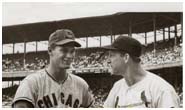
[{"x": 91, "y": 60}]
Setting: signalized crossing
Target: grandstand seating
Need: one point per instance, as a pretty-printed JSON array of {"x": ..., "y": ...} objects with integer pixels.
[{"x": 35, "y": 61}]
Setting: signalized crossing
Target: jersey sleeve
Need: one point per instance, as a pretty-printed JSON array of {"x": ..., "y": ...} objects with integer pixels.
[
  {"x": 88, "y": 98},
  {"x": 26, "y": 91},
  {"x": 110, "y": 101},
  {"x": 168, "y": 99}
]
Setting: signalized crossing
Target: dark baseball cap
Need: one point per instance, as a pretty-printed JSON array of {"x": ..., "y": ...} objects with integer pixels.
[
  {"x": 63, "y": 36},
  {"x": 126, "y": 44}
]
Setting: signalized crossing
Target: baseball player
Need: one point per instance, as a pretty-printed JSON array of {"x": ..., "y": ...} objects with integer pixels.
[
  {"x": 138, "y": 88},
  {"x": 54, "y": 86}
]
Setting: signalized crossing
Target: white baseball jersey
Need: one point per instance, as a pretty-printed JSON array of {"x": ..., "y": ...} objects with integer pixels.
[
  {"x": 152, "y": 91},
  {"x": 43, "y": 91}
]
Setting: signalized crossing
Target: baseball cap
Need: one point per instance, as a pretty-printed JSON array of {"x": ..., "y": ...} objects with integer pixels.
[
  {"x": 63, "y": 36},
  {"x": 126, "y": 44}
]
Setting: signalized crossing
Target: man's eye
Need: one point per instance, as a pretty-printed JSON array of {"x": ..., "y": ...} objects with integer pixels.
[
  {"x": 72, "y": 51},
  {"x": 63, "y": 50},
  {"x": 67, "y": 50}
]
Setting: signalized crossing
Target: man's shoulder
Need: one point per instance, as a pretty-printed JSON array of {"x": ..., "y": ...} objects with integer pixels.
[
  {"x": 77, "y": 79},
  {"x": 119, "y": 82},
  {"x": 159, "y": 82},
  {"x": 156, "y": 78},
  {"x": 37, "y": 75}
]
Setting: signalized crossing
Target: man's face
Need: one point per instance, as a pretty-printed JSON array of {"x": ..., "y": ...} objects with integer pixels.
[
  {"x": 62, "y": 56},
  {"x": 116, "y": 60}
]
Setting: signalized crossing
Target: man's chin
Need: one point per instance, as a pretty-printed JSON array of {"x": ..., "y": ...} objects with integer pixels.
[{"x": 115, "y": 73}]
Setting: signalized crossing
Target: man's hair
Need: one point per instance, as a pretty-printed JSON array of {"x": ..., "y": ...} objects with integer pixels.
[
  {"x": 52, "y": 46},
  {"x": 135, "y": 59}
]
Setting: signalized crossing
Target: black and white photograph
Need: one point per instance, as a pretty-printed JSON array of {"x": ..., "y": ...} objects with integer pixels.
[{"x": 92, "y": 55}]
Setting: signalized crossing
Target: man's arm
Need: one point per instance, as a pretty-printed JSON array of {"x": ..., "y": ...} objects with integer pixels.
[
  {"x": 169, "y": 99},
  {"x": 111, "y": 100},
  {"x": 88, "y": 99},
  {"x": 26, "y": 93},
  {"x": 22, "y": 104}
]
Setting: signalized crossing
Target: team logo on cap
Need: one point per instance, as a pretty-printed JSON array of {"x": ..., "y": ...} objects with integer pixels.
[{"x": 69, "y": 35}]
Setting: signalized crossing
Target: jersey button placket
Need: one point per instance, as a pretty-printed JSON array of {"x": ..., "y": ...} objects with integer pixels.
[{"x": 128, "y": 96}]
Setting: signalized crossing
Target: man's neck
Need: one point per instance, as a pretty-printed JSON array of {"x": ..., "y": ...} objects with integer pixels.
[
  {"x": 134, "y": 75},
  {"x": 57, "y": 73}
]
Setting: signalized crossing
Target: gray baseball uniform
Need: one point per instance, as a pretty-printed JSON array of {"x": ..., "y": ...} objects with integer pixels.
[{"x": 43, "y": 91}]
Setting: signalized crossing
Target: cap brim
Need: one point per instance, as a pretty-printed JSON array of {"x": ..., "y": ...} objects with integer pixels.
[
  {"x": 106, "y": 48},
  {"x": 66, "y": 41},
  {"x": 109, "y": 47}
]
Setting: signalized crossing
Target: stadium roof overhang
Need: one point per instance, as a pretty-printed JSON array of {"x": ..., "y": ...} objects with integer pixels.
[{"x": 119, "y": 23}]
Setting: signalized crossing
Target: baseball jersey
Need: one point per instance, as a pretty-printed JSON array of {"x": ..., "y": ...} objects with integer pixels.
[
  {"x": 43, "y": 91},
  {"x": 152, "y": 91}
]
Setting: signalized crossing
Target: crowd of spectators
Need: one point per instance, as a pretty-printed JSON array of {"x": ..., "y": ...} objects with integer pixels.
[
  {"x": 12, "y": 65},
  {"x": 18, "y": 65},
  {"x": 93, "y": 60},
  {"x": 163, "y": 56},
  {"x": 100, "y": 96}
]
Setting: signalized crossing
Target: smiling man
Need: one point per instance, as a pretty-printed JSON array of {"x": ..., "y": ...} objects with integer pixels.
[{"x": 54, "y": 86}]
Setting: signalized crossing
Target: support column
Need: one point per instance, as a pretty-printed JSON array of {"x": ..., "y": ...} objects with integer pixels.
[
  {"x": 111, "y": 39},
  {"x": 145, "y": 38},
  {"x": 24, "y": 60},
  {"x": 13, "y": 48},
  {"x": 36, "y": 46},
  {"x": 100, "y": 41},
  {"x": 175, "y": 37},
  {"x": 169, "y": 33},
  {"x": 163, "y": 34},
  {"x": 181, "y": 36},
  {"x": 154, "y": 29},
  {"x": 8, "y": 84},
  {"x": 86, "y": 42},
  {"x": 130, "y": 28},
  {"x": 2, "y": 48},
  {"x": 111, "y": 33}
]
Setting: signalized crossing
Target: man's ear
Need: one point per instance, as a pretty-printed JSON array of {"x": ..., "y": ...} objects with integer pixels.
[
  {"x": 126, "y": 57},
  {"x": 49, "y": 51}
]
